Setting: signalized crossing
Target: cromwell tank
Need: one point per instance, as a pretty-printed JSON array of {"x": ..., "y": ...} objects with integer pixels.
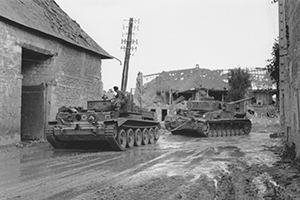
[
  {"x": 210, "y": 118},
  {"x": 100, "y": 124}
]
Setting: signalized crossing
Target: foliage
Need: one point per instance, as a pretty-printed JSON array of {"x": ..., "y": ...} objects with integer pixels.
[
  {"x": 239, "y": 81},
  {"x": 273, "y": 63}
]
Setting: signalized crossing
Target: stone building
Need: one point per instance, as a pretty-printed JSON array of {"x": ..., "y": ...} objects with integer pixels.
[
  {"x": 46, "y": 61},
  {"x": 289, "y": 45}
]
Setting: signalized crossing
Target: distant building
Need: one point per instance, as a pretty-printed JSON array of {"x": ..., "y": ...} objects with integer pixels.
[
  {"x": 264, "y": 97},
  {"x": 162, "y": 90},
  {"x": 289, "y": 33},
  {"x": 46, "y": 61}
]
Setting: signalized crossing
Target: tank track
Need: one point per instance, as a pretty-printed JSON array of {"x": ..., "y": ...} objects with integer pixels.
[
  {"x": 226, "y": 128},
  {"x": 122, "y": 139},
  {"x": 55, "y": 143},
  {"x": 213, "y": 128},
  {"x": 129, "y": 137}
]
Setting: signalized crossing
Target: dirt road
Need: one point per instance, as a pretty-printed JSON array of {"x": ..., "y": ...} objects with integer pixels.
[{"x": 177, "y": 167}]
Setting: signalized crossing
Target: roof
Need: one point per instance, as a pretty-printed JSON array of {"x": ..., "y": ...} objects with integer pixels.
[
  {"x": 181, "y": 80},
  {"x": 186, "y": 79},
  {"x": 47, "y": 17}
]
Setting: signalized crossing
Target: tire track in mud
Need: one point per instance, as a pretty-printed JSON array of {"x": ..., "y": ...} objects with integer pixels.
[
  {"x": 56, "y": 182},
  {"x": 153, "y": 175},
  {"x": 196, "y": 169},
  {"x": 67, "y": 179},
  {"x": 186, "y": 167},
  {"x": 49, "y": 166},
  {"x": 65, "y": 182}
]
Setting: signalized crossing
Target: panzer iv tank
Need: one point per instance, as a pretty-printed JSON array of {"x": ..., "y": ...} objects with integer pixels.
[
  {"x": 101, "y": 124},
  {"x": 210, "y": 118}
]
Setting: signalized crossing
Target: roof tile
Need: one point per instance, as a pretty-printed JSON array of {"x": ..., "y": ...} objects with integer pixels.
[{"x": 47, "y": 17}]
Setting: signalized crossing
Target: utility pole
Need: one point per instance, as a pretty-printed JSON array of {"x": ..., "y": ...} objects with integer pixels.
[{"x": 128, "y": 48}]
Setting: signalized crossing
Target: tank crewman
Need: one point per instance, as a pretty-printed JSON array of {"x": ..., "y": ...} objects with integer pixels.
[{"x": 120, "y": 99}]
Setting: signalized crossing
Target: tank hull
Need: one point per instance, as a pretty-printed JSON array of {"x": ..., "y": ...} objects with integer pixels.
[
  {"x": 117, "y": 135},
  {"x": 210, "y": 128}
]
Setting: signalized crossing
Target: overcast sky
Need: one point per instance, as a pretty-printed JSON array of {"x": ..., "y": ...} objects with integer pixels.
[{"x": 178, "y": 34}]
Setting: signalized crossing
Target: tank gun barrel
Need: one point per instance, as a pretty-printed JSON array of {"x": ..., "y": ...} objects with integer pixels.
[{"x": 239, "y": 101}]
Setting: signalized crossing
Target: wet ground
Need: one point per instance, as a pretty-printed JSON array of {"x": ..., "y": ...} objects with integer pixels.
[{"x": 177, "y": 167}]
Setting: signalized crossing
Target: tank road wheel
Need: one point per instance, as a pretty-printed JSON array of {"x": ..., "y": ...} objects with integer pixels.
[
  {"x": 247, "y": 129},
  {"x": 138, "y": 137},
  {"x": 220, "y": 130},
  {"x": 224, "y": 130},
  {"x": 210, "y": 134},
  {"x": 234, "y": 130},
  {"x": 156, "y": 133},
  {"x": 216, "y": 131},
  {"x": 122, "y": 138},
  {"x": 230, "y": 131},
  {"x": 240, "y": 130},
  {"x": 130, "y": 138},
  {"x": 237, "y": 130},
  {"x": 145, "y": 137},
  {"x": 206, "y": 129},
  {"x": 151, "y": 136},
  {"x": 213, "y": 130}
]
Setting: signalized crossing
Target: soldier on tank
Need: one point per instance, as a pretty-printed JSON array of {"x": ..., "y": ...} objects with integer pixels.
[{"x": 120, "y": 99}]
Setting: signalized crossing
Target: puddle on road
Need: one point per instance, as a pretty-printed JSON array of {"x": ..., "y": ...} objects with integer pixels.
[
  {"x": 172, "y": 156},
  {"x": 193, "y": 157}
]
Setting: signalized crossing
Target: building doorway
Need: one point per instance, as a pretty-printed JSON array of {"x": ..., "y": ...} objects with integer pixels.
[
  {"x": 33, "y": 104},
  {"x": 164, "y": 113},
  {"x": 32, "y": 112}
]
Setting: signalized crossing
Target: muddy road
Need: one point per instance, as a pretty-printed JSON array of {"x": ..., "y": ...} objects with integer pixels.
[{"x": 177, "y": 167}]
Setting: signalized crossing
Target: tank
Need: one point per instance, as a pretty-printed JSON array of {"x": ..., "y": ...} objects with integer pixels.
[
  {"x": 210, "y": 118},
  {"x": 100, "y": 124}
]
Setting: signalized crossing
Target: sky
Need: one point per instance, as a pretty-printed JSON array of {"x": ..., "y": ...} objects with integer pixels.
[{"x": 178, "y": 34}]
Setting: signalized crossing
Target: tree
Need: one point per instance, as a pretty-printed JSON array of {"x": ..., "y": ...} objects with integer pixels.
[
  {"x": 239, "y": 81},
  {"x": 273, "y": 67}
]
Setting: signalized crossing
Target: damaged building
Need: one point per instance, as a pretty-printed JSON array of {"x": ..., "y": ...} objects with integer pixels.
[
  {"x": 289, "y": 33},
  {"x": 46, "y": 61},
  {"x": 162, "y": 91}
]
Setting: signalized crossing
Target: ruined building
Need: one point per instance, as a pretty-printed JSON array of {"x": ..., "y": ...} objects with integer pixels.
[
  {"x": 164, "y": 90},
  {"x": 46, "y": 61},
  {"x": 289, "y": 44}
]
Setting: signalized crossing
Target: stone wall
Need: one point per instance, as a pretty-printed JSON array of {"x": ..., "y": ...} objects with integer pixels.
[
  {"x": 72, "y": 76},
  {"x": 289, "y": 20}
]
